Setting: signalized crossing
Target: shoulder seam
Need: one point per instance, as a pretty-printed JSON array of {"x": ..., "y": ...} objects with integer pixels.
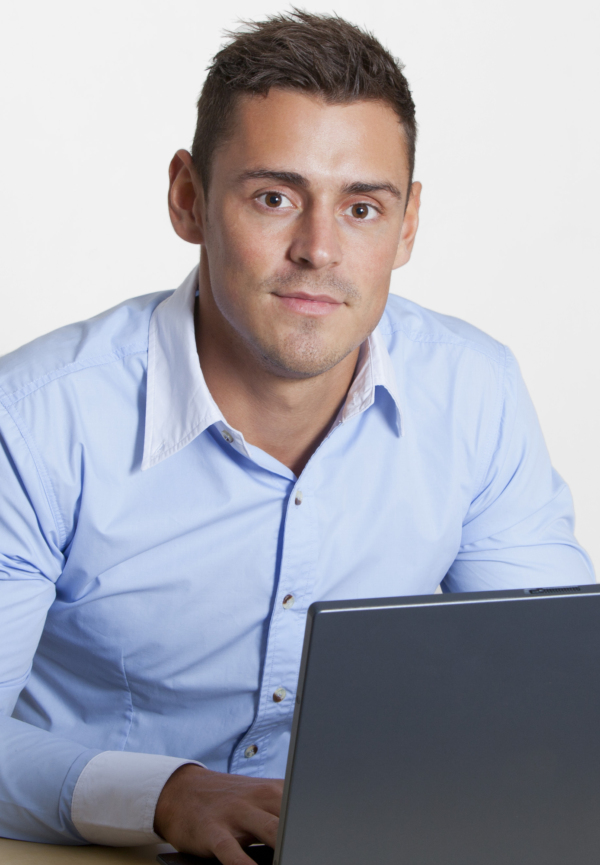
[
  {"x": 40, "y": 468},
  {"x": 76, "y": 366},
  {"x": 459, "y": 342},
  {"x": 486, "y": 458}
]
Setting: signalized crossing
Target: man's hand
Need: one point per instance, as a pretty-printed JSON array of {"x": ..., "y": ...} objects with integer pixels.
[{"x": 214, "y": 814}]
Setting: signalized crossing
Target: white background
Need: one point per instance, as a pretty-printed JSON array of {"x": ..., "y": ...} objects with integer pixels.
[{"x": 96, "y": 97}]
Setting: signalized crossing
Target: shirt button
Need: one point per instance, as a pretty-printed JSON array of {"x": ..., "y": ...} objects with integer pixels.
[
  {"x": 227, "y": 435},
  {"x": 250, "y": 751},
  {"x": 279, "y": 695},
  {"x": 288, "y": 602},
  {"x": 298, "y": 499}
]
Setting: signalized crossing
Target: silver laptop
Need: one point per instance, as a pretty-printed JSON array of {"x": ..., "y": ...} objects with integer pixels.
[{"x": 445, "y": 730}]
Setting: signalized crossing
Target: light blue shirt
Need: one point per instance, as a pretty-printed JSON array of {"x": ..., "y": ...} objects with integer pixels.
[{"x": 156, "y": 568}]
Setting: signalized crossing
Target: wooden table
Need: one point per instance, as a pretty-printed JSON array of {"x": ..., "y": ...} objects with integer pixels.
[{"x": 27, "y": 853}]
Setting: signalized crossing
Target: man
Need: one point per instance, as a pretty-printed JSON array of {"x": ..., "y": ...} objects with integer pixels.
[{"x": 183, "y": 475}]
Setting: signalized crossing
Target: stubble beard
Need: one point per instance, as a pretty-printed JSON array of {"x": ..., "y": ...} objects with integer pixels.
[{"x": 304, "y": 353}]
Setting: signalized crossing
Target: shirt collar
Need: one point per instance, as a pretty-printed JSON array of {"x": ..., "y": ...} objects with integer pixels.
[{"x": 179, "y": 406}]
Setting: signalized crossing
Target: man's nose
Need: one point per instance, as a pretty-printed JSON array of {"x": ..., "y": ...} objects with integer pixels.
[{"x": 316, "y": 241}]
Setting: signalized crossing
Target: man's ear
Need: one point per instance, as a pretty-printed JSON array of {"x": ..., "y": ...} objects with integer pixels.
[
  {"x": 186, "y": 198},
  {"x": 409, "y": 226}
]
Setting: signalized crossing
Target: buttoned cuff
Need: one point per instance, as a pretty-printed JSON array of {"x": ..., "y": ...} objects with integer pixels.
[{"x": 115, "y": 797}]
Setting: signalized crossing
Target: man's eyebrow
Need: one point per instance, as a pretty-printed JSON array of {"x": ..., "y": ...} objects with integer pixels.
[
  {"x": 290, "y": 178},
  {"x": 367, "y": 188}
]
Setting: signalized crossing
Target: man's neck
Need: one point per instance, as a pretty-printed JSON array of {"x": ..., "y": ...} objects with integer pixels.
[{"x": 286, "y": 417}]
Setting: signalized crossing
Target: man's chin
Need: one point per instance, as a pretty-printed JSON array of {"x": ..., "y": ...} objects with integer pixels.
[{"x": 309, "y": 362}]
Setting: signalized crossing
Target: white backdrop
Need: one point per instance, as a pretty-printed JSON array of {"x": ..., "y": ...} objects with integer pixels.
[{"x": 97, "y": 95}]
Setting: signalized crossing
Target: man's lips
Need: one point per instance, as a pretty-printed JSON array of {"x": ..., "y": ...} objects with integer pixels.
[{"x": 310, "y": 304}]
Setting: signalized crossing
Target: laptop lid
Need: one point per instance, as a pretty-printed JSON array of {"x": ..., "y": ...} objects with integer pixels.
[{"x": 447, "y": 730}]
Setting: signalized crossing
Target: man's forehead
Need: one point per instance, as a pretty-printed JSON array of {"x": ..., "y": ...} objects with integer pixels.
[{"x": 294, "y": 132}]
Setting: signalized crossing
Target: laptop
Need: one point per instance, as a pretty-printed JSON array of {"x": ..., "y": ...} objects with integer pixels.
[{"x": 458, "y": 729}]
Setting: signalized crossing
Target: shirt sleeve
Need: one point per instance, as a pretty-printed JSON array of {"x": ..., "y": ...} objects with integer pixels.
[
  {"x": 115, "y": 797},
  {"x": 518, "y": 530},
  {"x": 37, "y": 769},
  {"x": 53, "y": 790}
]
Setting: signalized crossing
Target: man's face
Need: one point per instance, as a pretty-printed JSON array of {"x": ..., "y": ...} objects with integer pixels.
[{"x": 303, "y": 226}]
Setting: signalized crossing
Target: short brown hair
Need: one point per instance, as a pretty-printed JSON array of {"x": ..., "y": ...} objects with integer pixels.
[{"x": 320, "y": 54}]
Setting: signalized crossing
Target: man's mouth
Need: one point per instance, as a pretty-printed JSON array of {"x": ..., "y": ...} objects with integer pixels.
[{"x": 309, "y": 304}]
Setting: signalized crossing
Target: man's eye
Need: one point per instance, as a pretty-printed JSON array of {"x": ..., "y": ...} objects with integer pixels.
[
  {"x": 275, "y": 200},
  {"x": 362, "y": 211}
]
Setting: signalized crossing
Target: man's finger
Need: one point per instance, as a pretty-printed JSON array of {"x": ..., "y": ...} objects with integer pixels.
[
  {"x": 262, "y": 825},
  {"x": 228, "y": 852}
]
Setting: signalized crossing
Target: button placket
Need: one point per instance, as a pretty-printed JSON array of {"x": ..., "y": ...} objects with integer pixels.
[{"x": 285, "y": 637}]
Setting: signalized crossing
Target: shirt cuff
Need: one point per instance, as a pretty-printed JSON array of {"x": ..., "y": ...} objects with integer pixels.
[{"x": 115, "y": 797}]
